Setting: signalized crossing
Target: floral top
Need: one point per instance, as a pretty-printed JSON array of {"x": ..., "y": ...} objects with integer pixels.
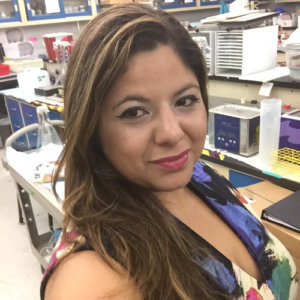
[{"x": 280, "y": 279}]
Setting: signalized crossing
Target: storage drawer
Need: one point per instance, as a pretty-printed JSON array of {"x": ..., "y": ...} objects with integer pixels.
[
  {"x": 30, "y": 117},
  {"x": 15, "y": 114},
  {"x": 29, "y": 114},
  {"x": 16, "y": 121},
  {"x": 32, "y": 138}
]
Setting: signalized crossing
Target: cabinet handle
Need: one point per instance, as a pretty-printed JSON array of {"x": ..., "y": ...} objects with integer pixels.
[
  {"x": 16, "y": 7},
  {"x": 30, "y": 116},
  {"x": 13, "y": 109},
  {"x": 17, "y": 126},
  {"x": 28, "y": 6}
]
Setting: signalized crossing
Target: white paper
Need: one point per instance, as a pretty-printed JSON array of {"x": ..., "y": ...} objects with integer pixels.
[
  {"x": 267, "y": 75},
  {"x": 265, "y": 89},
  {"x": 52, "y": 6}
]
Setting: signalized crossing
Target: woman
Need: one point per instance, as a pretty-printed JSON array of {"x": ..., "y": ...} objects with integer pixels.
[{"x": 144, "y": 219}]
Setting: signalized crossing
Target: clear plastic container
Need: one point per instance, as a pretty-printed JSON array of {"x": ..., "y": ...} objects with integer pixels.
[
  {"x": 292, "y": 54},
  {"x": 49, "y": 147},
  {"x": 46, "y": 131},
  {"x": 270, "y": 113}
]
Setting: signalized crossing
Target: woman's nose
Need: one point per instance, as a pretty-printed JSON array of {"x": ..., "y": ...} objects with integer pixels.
[{"x": 168, "y": 128}]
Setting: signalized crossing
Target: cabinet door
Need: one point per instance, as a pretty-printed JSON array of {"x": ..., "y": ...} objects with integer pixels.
[
  {"x": 30, "y": 117},
  {"x": 9, "y": 11},
  {"x": 77, "y": 8},
  {"x": 165, "y": 4},
  {"x": 44, "y": 9},
  {"x": 52, "y": 115},
  {"x": 15, "y": 114},
  {"x": 16, "y": 121}
]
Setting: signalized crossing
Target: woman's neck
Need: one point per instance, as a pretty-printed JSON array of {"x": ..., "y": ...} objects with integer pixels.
[{"x": 180, "y": 202}]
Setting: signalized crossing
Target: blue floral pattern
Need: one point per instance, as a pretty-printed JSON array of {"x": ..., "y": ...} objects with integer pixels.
[{"x": 275, "y": 263}]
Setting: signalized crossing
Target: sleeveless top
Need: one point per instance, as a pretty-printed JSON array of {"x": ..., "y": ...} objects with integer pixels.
[{"x": 276, "y": 265}]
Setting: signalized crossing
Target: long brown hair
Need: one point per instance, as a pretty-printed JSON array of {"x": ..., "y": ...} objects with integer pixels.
[{"x": 117, "y": 217}]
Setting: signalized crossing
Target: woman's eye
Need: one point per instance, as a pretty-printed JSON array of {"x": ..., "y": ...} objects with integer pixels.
[
  {"x": 186, "y": 101},
  {"x": 132, "y": 113}
]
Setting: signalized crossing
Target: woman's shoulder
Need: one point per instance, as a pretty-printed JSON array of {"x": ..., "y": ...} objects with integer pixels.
[{"x": 85, "y": 275}]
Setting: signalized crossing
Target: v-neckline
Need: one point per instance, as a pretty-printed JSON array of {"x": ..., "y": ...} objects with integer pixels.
[
  {"x": 192, "y": 186},
  {"x": 216, "y": 253}
]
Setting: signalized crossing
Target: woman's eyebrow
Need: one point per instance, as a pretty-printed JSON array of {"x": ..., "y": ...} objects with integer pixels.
[
  {"x": 143, "y": 99},
  {"x": 128, "y": 98},
  {"x": 186, "y": 87}
]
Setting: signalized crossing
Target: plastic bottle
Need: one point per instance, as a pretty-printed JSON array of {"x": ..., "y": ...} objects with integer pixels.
[{"x": 46, "y": 132}]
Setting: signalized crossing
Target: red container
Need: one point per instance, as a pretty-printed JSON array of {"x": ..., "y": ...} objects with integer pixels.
[
  {"x": 4, "y": 70},
  {"x": 49, "y": 39}
]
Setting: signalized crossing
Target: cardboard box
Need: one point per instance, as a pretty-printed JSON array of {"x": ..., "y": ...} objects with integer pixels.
[{"x": 265, "y": 194}]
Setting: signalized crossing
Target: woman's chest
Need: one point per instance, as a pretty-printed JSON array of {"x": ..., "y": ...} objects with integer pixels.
[{"x": 216, "y": 232}]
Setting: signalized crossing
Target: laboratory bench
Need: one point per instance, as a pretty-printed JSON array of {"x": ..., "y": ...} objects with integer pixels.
[
  {"x": 239, "y": 170},
  {"x": 28, "y": 191},
  {"x": 242, "y": 173}
]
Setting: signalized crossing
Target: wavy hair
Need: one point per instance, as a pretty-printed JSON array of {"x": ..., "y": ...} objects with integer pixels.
[{"x": 118, "y": 218}]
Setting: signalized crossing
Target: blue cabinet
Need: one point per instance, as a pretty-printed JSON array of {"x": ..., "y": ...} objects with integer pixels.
[
  {"x": 9, "y": 11},
  {"x": 54, "y": 9},
  {"x": 74, "y": 8},
  {"x": 16, "y": 121},
  {"x": 23, "y": 114},
  {"x": 167, "y": 4},
  {"x": 30, "y": 117},
  {"x": 44, "y": 9}
]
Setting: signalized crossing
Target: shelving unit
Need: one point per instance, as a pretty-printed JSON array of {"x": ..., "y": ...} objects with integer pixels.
[
  {"x": 7, "y": 7},
  {"x": 24, "y": 20}
]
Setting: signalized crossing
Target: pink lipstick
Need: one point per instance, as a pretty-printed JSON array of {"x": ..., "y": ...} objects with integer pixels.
[{"x": 173, "y": 163}]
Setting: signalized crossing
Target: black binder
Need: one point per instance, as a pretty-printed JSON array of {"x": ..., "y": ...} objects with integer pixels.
[{"x": 285, "y": 212}]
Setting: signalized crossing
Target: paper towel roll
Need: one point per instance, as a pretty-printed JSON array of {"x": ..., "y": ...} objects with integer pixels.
[{"x": 270, "y": 114}]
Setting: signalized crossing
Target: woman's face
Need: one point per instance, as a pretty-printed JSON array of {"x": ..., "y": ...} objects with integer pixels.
[{"x": 153, "y": 123}]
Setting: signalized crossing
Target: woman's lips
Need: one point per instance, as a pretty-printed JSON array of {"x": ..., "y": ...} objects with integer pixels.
[{"x": 173, "y": 163}]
